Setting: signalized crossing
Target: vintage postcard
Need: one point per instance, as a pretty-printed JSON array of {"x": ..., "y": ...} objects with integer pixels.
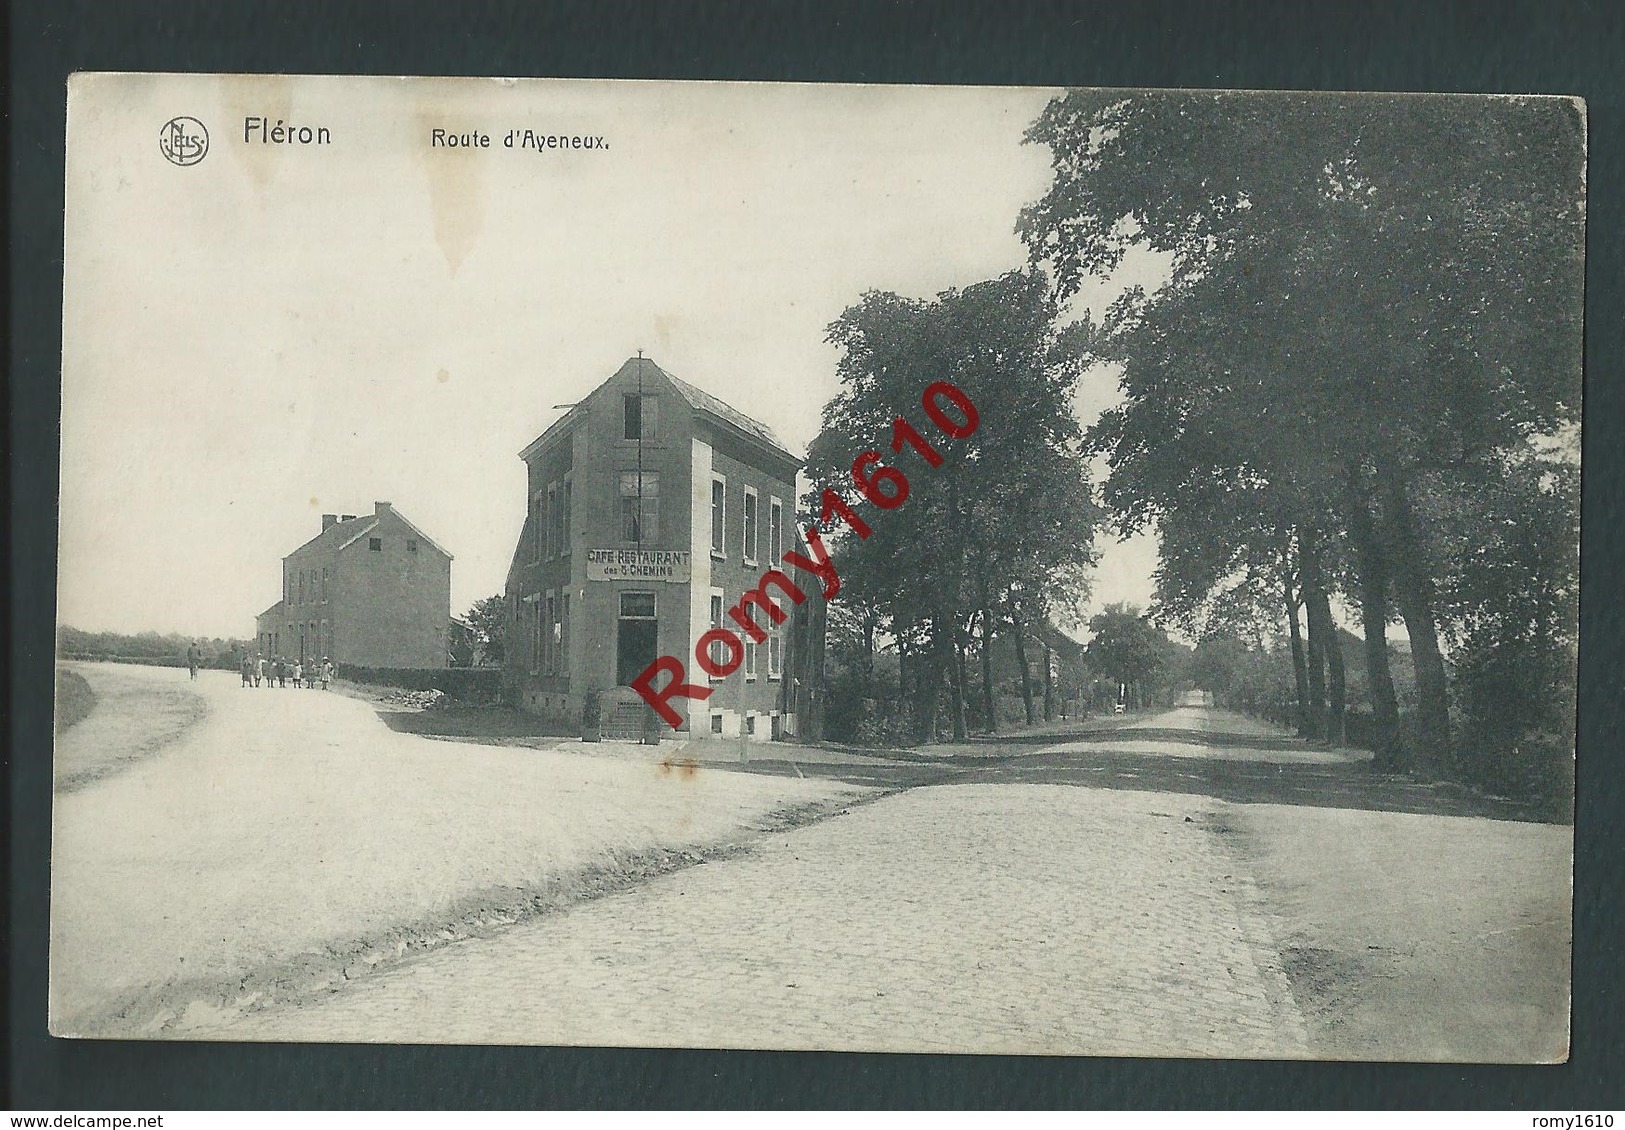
[{"x": 919, "y": 569}]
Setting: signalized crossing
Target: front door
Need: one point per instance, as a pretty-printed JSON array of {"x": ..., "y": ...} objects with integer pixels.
[{"x": 636, "y": 636}]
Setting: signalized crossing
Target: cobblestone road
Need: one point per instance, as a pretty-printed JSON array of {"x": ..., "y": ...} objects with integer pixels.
[{"x": 989, "y": 918}]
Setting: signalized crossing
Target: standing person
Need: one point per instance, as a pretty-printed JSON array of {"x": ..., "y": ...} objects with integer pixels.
[
  {"x": 327, "y": 672},
  {"x": 277, "y": 671},
  {"x": 298, "y": 672},
  {"x": 259, "y": 669},
  {"x": 193, "y": 658},
  {"x": 247, "y": 667}
]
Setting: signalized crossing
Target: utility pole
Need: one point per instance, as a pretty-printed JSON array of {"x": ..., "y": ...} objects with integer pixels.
[
  {"x": 640, "y": 450},
  {"x": 744, "y": 748}
]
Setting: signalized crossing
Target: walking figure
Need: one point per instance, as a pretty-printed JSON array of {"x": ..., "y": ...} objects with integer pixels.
[
  {"x": 193, "y": 658},
  {"x": 247, "y": 667},
  {"x": 259, "y": 669}
]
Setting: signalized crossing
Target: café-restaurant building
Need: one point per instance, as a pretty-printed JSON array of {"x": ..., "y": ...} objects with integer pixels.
[{"x": 651, "y": 506}]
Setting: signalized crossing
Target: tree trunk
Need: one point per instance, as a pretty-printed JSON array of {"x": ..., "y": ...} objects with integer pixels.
[
  {"x": 1300, "y": 666},
  {"x": 989, "y": 711},
  {"x": 928, "y": 682},
  {"x": 1373, "y": 566},
  {"x": 1323, "y": 628},
  {"x": 1317, "y": 678},
  {"x": 1021, "y": 662},
  {"x": 958, "y": 680},
  {"x": 1413, "y": 591},
  {"x": 905, "y": 700},
  {"x": 1317, "y": 654},
  {"x": 1336, "y": 685},
  {"x": 956, "y": 656},
  {"x": 1049, "y": 683}
]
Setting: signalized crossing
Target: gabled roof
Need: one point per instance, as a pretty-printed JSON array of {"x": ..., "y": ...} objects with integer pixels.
[
  {"x": 342, "y": 535},
  {"x": 269, "y": 610},
  {"x": 434, "y": 545},
  {"x": 358, "y": 532},
  {"x": 1058, "y": 640},
  {"x": 336, "y": 536},
  {"x": 706, "y": 404},
  {"x": 698, "y": 399}
]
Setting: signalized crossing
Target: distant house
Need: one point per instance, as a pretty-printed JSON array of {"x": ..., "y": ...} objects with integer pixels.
[
  {"x": 368, "y": 591},
  {"x": 466, "y": 646},
  {"x": 1058, "y": 668}
]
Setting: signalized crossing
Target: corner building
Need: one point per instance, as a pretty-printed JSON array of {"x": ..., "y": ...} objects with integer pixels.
[{"x": 651, "y": 507}]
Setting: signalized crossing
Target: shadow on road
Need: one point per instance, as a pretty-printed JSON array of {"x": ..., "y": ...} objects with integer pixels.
[
  {"x": 1351, "y": 785},
  {"x": 471, "y": 723},
  {"x": 1094, "y": 758}
]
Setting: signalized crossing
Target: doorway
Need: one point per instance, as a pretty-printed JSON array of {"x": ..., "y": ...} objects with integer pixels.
[{"x": 636, "y": 636}]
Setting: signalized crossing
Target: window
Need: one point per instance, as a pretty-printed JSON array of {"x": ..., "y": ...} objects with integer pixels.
[
  {"x": 719, "y": 652},
  {"x": 719, "y": 514},
  {"x": 775, "y": 656},
  {"x": 564, "y": 520},
  {"x": 324, "y": 584},
  {"x": 716, "y": 723},
  {"x": 775, "y": 531},
  {"x": 564, "y": 634},
  {"x": 641, "y": 414},
  {"x": 750, "y": 660},
  {"x": 550, "y": 628},
  {"x": 538, "y": 526},
  {"x": 638, "y": 606},
  {"x": 558, "y": 532},
  {"x": 550, "y": 522},
  {"x": 640, "y": 508},
  {"x": 750, "y": 724},
  {"x": 411, "y": 545},
  {"x": 375, "y": 544},
  {"x": 301, "y": 586},
  {"x": 751, "y": 504},
  {"x": 533, "y": 620}
]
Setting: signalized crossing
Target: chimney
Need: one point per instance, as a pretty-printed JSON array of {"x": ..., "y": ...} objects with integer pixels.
[
  {"x": 380, "y": 508},
  {"x": 328, "y": 520}
]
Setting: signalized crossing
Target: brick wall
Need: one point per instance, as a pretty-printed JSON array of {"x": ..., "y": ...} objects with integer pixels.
[{"x": 391, "y": 606}]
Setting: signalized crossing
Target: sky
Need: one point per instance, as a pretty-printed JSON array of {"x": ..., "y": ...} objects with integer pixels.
[{"x": 281, "y": 331}]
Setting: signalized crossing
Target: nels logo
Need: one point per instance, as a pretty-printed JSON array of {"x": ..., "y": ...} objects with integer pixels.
[{"x": 183, "y": 141}]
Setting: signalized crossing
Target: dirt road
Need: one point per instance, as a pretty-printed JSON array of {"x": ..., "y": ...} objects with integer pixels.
[
  {"x": 288, "y": 837},
  {"x": 1184, "y": 883},
  {"x": 1010, "y": 903}
]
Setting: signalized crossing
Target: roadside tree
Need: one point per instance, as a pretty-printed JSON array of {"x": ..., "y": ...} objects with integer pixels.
[
  {"x": 1001, "y": 532},
  {"x": 1362, "y": 333}
]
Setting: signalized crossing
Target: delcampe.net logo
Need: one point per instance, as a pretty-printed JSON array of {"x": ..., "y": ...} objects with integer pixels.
[{"x": 183, "y": 141}]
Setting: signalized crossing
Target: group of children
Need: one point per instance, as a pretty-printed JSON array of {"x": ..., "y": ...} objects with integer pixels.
[{"x": 277, "y": 672}]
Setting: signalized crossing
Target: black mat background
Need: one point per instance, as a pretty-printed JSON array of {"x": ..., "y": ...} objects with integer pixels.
[{"x": 1552, "y": 47}]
